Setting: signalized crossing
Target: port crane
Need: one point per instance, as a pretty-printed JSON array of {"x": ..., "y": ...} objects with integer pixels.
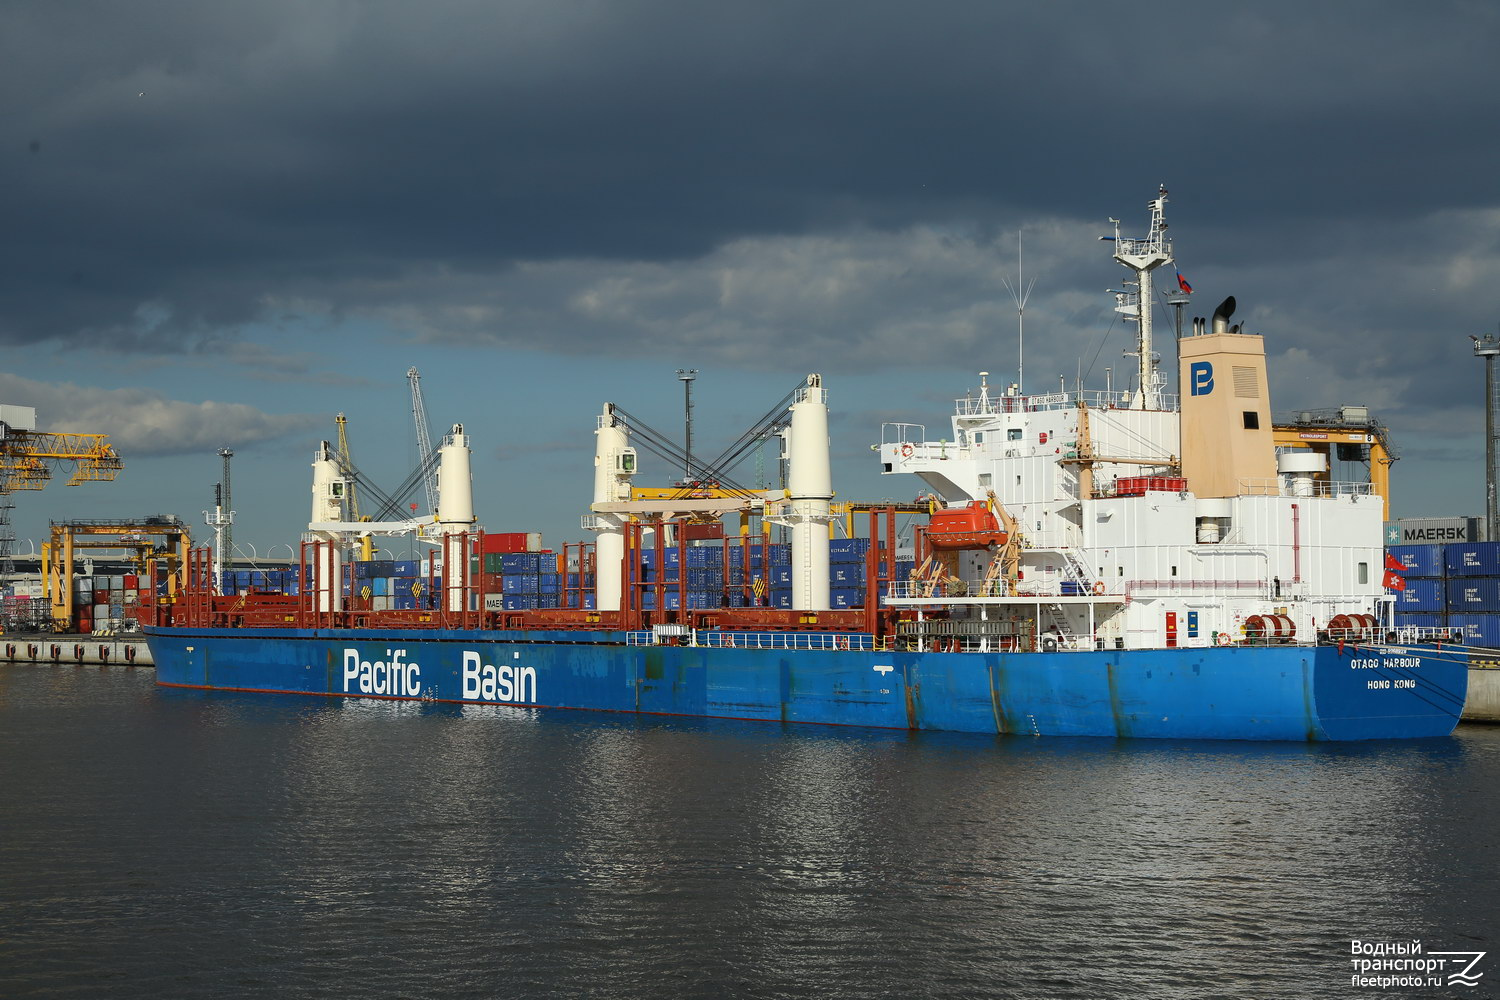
[{"x": 29, "y": 456}]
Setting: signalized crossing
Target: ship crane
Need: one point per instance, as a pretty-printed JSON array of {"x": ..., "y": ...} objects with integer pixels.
[{"x": 424, "y": 439}]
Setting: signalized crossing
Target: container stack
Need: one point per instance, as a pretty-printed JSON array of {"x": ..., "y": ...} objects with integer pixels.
[
  {"x": 1473, "y": 590},
  {"x": 101, "y": 602},
  {"x": 1456, "y": 585}
]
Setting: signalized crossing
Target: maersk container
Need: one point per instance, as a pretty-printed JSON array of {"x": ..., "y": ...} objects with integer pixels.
[
  {"x": 1421, "y": 595},
  {"x": 1479, "y": 629},
  {"x": 1419, "y": 560},
  {"x": 1472, "y": 558},
  {"x": 1474, "y": 593}
]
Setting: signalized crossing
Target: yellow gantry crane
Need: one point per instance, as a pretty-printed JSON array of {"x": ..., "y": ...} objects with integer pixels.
[{"x": 29, "y": 456}]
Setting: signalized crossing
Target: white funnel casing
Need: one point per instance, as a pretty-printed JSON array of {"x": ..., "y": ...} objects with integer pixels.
[
  {"x": 329, "y": 488},
  {"x": 809, "y": 488},
  {"x": 455, "y": 484},
  {"x": 614, "y": 464}
]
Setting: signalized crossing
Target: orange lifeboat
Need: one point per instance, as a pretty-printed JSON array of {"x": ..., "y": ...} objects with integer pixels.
[{"x": 971, "y": 527}]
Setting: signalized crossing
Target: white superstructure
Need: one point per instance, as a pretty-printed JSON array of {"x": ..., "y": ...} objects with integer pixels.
[{"x": 1118, "y": 548}]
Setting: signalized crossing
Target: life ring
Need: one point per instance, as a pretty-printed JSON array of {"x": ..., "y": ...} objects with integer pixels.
[
  {"x": 1222, "y": 639},
  {"x": 1098, "y": 587},
  {"x": 906, "y": 451}
]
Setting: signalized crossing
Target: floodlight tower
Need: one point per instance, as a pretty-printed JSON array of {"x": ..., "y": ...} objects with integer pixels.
[
  {"x": 1489, "y": 349},
  {"x": 687, "y": 375}
]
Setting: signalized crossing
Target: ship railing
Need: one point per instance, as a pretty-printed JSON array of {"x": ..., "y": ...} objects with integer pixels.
[
  {"x": 1287, "y": 486},
  {"x": 972, "y": 406},
  {"x": 831, "y": 641}
]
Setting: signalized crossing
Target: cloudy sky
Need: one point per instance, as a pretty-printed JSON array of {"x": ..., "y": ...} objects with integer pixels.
[{"x": 224, "y": 223}]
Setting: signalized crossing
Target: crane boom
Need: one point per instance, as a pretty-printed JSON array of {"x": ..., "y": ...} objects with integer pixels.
[{"x": 424, "y": 438}]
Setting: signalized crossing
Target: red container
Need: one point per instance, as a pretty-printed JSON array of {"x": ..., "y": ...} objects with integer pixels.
[
  {"x": 132, "y": 582},
  {"x": 101, "y": 597},
  {"x": 85, "y": 624},
  {"x": 512, "y": 541}
]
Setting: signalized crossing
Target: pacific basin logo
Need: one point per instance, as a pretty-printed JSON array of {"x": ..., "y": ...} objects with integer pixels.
[
  {"x": 392, "y": 676},
  {"x": 1201, "y": 377},
  {"x": 505, "y": 683}
]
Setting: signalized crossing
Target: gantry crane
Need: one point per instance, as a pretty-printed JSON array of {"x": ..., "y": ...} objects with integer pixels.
[{"x": 28, "y": 456}]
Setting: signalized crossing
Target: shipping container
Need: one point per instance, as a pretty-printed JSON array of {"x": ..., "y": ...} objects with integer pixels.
[
  {"x": 512, "y": 541},
  {"x": 1421, "y": 595},
  {"x": 848, "y": 549},
  {"x": 1474, "y": 593},
  {"x": 1479, "y": 629},
  {"x": 1420, "y": 620},
  {"x": 519, "y": 562},
  {"x": 1419, "y": 560},
  {"x": 1419, "y": 530},
  {"x": 846, "y": 597},
  {"x": 1472, "y": 558}
]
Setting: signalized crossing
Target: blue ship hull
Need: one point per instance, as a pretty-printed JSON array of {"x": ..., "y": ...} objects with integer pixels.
[{"x": 1248, "y": 693}]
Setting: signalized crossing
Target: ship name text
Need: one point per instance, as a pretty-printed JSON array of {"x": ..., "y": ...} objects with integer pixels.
[{"x": 391, "y": 676}]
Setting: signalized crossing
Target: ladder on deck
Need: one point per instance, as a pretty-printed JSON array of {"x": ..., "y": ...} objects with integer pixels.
[{"x": 1059, "y": 621}]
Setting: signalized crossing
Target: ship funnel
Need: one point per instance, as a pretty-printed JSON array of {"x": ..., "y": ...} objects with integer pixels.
[{"x": 1222, "y": 314}]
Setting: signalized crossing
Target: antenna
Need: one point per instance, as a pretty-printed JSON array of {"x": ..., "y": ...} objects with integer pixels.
[
  {"x": 1143, "y": 256},
  {"x": 1488, "y": 349},
  {"x": 221, "y": 519},
  {"x": 1021, "y": 293}
]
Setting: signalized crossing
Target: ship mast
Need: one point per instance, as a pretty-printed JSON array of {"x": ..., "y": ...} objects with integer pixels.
[{"x": 1143, "y": 256}]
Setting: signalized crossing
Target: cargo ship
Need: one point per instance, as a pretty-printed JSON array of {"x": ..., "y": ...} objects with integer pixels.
[{"x": 1112, "y": 563}]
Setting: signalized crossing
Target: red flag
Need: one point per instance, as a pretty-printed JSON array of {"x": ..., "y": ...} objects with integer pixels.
[
  {"x": 1393, "y": 564},
  {"x": 1394, "y": 581},
  {"x": 1182, "y": 283}
]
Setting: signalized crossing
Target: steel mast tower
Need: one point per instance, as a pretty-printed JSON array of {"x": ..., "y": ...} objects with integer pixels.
[
  {"x": 1143, "y": 256},
  {"x": 1488, "y": 349}
]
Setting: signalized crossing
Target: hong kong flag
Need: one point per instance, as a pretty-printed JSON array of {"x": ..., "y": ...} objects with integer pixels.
[
  {"x": 1393, "y": 564},
  {"x": 1394, "y": 581}
]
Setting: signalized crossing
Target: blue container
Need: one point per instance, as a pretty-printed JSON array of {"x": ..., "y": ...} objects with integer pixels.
[
  {"x": 588, "y": 602},
  {"x": 1420, "y": 620},
  {"x": 848, "y": 549},
  {"x": 380, "y": 586},
  {"x": 1474, "y": 593},
  {"x": 705, "y": 557},
  {"x": 780, "y": 600},
  {"x": 848, "y": 574},
  {"x": 406, "y": 603},
  {"x": 781, "y": 576},
  {"x": 518, "y": 602},
  {"x": 404, "y": 567},
  {"x": 846, "y": 597},
  {"x": 780, "y": 555},
  {"x": 1479, "y": 629},
  {"x": 519, "y": 584},
  {"x": 1472, "y": 558},
  {"x": 672, "y": 601},
  {"x": 518, "y": 562},
  {"x": 1419, "y": 560},
  {"x": 1421, "y": 595}
]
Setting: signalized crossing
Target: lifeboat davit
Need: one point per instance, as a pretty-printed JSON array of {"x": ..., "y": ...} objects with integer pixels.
[{"x": 970, "y": 527}]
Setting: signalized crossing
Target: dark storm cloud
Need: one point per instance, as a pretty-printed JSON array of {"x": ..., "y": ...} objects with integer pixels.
[{"x": 582, "y": 174}]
